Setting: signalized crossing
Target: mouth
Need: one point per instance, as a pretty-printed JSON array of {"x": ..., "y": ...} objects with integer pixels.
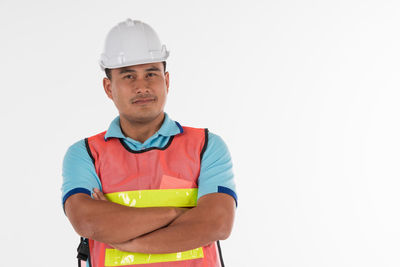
[{"x": 143, "y": 101}]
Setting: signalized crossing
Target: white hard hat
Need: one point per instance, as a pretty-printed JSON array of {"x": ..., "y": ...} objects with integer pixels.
[{"x": 132, "y": 42}]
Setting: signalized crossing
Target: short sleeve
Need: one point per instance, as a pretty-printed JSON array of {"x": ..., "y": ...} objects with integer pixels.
[
  {"x": 216, "y": 174},
  {"x": 79, "y": 174}
]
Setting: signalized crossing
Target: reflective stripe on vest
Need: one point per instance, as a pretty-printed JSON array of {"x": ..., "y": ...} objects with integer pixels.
[
  {"x": 152, "y": 198},
  {"x": 186, "y": 197},
  {"x": 115, "y": 257}
]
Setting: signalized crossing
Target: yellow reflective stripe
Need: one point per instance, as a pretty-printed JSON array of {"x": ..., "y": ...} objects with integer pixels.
[
  {"x": 156, "y": 198},
  {"x": 116, "y": 257}
]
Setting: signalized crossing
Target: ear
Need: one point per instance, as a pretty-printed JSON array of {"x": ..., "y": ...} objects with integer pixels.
[
  {"x": 107, "y": 87},
  {"x": 167, "y": 80}
]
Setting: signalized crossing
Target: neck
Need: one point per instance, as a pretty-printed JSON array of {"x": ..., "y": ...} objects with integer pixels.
[{"x": 139, "y": 130}]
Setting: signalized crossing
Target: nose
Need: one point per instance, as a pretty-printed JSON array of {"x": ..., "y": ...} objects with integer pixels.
[{"x": 141, "y": 86}]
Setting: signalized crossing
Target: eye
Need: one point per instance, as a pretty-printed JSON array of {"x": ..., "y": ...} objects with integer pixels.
[
  {"x": 151, "y": 74},
  {"x": 129, "y": 77}
]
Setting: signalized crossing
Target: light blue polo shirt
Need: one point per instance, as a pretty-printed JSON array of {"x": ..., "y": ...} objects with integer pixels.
[{"x": 216, "y": 175}]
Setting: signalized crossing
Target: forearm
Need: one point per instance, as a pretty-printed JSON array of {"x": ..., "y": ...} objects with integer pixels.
[
  {"x": 174, "y": 238},
  {"x": 108, "y": 222},
  {"x": 197, "y": 227}
]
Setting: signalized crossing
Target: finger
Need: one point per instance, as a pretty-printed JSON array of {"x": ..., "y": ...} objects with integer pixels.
[
  {"x": 95, "y": 196},
  {"x": 98, "y": 195},
  {"x": 101, "y": 196}
]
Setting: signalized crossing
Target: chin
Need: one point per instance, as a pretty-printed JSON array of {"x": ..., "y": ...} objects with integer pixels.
[{"x": 143, "y": 117}]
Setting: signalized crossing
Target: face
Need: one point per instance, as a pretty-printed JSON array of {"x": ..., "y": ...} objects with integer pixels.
[{"x": 139, "y": 92}]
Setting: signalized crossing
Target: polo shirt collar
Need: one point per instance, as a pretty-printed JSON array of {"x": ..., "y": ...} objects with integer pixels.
[{"x": 168, "y": 128}]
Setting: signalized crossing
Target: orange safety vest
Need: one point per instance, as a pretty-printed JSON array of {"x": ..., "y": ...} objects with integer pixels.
[{"x": 153, "y": 177}]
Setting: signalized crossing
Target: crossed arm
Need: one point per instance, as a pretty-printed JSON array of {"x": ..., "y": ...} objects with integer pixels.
[
  {"x": 152, "y": 230},
  {"x": 109, "y": 222}
]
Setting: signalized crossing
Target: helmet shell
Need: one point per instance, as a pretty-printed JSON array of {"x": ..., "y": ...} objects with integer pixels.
[{"x": 132, "y": 42}]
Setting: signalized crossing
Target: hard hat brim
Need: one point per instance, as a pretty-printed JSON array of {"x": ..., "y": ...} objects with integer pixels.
[{"x": 131, "y": 63}]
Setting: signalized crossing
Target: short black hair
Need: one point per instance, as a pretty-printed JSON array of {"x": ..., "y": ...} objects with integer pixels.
[{"x": 108, "y": 71}]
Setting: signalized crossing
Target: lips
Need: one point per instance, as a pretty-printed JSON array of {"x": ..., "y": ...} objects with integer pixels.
[{"x": 143, "y": 100}]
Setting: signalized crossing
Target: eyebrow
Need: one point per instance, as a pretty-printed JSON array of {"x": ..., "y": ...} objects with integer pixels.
[
  {"x": 152, "y": 68},
  {"x": 126, "y": 71}
]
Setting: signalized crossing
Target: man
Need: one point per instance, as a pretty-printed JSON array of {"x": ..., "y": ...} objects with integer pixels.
[{"x": 147, "y": 192}]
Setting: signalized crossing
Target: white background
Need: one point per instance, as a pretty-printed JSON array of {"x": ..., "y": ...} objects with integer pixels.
[{"x": 305, "y": 94}]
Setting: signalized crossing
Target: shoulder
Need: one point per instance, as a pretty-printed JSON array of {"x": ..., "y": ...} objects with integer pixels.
[
  {"x": 77, "y": 162},
  {"x": 81, "y": 145},
  {"x": 216, "y": 140},
  {"x": 77, "y": 152},
  {"x": 76, "y": 148},
  {"x": 80, "y": 150},
  {"x": 216, "y": 145}
]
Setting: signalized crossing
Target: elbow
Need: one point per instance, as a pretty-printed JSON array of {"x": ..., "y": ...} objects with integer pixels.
[
  {"x": 82, "y": 226},
  {"x": 94, "y": 229},
  {"x": 220, "y": 225},
  {"x": 224, "y": 235},
  {"x": 224, "y": 231},
  {"x": 222, "y": 228},
  {"x": 85, "y": 228}
]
